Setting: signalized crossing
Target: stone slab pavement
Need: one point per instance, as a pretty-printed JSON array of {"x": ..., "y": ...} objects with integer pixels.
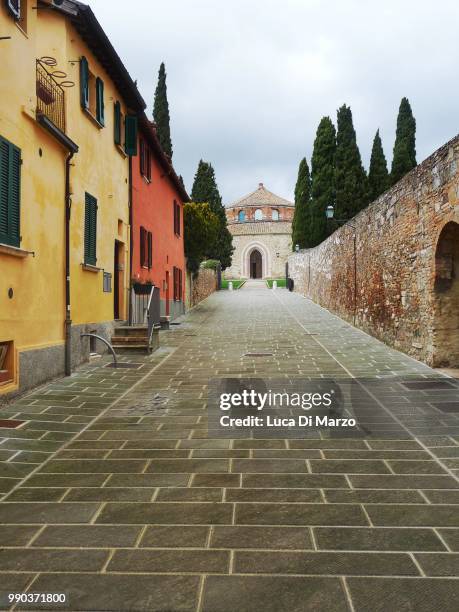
[{"x": 116, "y": 494}]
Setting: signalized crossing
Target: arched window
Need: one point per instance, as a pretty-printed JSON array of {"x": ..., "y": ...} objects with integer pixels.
[
  {"x": 275, "y": 214},
  {"x": 241, "y": 216},
  {"x": 258, "y": 214}
]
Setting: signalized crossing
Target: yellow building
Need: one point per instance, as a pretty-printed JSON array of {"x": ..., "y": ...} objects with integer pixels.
[{"x": 67, "y": 127}]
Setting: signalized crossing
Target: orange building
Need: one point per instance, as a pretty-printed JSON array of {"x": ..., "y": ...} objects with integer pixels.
[{"x": 158, "y": 196}]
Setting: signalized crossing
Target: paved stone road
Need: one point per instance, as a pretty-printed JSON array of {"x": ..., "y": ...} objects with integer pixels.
[{"x": 116, "y": 494}]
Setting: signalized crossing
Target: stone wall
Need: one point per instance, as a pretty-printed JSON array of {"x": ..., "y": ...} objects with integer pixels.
[
  {"x": 200, "y": 287},
  {"x": 403, "y": 267}
]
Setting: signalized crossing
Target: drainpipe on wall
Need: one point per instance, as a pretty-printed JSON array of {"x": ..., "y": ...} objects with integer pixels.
[
  {"x": 68, "y": 320},
  {"x": 131, "y": 233}
]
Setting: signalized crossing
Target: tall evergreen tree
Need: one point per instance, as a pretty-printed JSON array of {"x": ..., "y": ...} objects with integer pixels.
[
  {"x": 323, "y": 181},
  {"x": 205, "y": 190},
  {"x": 302, "y": 214},
  {"x": 351, "y": 181},
  {"x": 161, "y": 112},
  {"x": 378, "y": 176},
  {"x": 404, "y": 158}
]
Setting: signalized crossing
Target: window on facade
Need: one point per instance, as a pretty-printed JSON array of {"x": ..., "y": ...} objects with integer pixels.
[
  {"x": 14, "y": 7},
  {"x": 91, "y": 92},
  {"x": 275, "y": 215},
  {"x": 258, "y": 214},
  {"x": 130, "y": 135},
  {"x": 241, "y": 216},
  {"x": 18, "y": 8},
  {"x": 145, "y": 160},
  {"x": 90, "y": 230},
  {"x": 177, "y": 215},
  {"x": 178, "y": 282},
  {"x": 146, "y": 248},
  {"x": 10, "y": 193},
  {"x": 117, "y": 123}
]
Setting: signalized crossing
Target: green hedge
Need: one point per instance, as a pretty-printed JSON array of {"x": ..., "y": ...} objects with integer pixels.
[
  {"x": 236, "y": 283},
  {"x": 210, "y": 264},
  {"x": 281, "y": 282}
]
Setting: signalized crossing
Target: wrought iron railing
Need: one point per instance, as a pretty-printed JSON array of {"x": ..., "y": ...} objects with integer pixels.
[{"x": 50, "y": 97}]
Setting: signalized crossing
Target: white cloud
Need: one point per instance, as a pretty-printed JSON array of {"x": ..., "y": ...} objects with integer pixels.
[{"x": 248, "y": 81}]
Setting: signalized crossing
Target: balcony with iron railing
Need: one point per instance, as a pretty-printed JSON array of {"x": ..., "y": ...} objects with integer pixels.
[
  {"x": 50, "y": 97},
  {"x": 50, "y": 109}
]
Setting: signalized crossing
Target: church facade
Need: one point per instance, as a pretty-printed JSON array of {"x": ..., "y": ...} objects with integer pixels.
[{"x": 261, "y": 226}]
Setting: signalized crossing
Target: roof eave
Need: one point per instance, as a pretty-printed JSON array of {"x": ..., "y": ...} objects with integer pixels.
[
  {"x": 147, "y": 129},
  {"x": 86, "y": 24}
]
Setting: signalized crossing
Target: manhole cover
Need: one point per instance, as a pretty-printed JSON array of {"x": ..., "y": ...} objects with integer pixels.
[
  {"x": 122, "y": 365},
  {"x": 421, "y": 385},
  {"x": 257, "y": 354},
  {"x": 10, "y": 423},
  {"x": 175, "y": 323}
]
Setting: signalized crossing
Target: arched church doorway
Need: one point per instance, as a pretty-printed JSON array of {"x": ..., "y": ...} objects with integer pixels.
[
  {"x": 256, "y": 264},
  {"x": 446, "y": 298}
]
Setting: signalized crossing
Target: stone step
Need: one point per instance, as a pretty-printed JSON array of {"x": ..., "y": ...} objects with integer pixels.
[
  {"x": 138, "y": 345},
  {"x": 129, "y": 339},
  {"x": 130, "y": 330}
]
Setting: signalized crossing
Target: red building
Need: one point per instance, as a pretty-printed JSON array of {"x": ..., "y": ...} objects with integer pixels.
[{"x": 157, "y": 247}]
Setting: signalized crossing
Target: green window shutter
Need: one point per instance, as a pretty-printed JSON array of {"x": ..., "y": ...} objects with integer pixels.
[
  {"x": 130, "y": 136},
  {"x": 117, "y": 123},
  {"x": 142, "y": 246},
  {"x": 150, "y": 249},
  {"x": 10, "y": 193},
  {"x": 90, "y": 230},
  {"x": 100, "y": 114},
  {"x": 84, "y": 83}
]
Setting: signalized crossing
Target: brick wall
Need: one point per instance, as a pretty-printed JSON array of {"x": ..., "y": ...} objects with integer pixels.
[
  {"x": 397, "y": 297},
  {"x": 200, "y": 287}
]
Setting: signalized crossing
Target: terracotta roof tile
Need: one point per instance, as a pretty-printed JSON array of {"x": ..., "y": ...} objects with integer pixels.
[{"x": 260, "y": 197}]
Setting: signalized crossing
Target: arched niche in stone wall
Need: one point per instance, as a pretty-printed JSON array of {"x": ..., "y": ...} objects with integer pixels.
[{"x": 446, "y": 298}]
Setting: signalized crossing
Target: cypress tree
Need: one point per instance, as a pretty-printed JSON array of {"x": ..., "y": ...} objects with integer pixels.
[
  {"x": 404, "y": 158},
  {"x": 302, "y": 214},
  {"x": 351, "y": 181},
  {"x": 322, "y": 181},
  {"x": 161, "y": 112},
  {"x": 378, "y": 176},
  {"x": 205, "y": 190}
]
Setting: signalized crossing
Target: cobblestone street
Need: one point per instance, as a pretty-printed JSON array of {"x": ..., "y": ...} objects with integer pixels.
[{"x": 117, "y": 495}]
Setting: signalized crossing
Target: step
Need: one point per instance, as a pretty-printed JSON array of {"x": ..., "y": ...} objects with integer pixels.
[
  {"x": 144, "y": 345},
  {"x": 134, "y": 330},
  {"x": 129, "y": 339},
  {"x": 136, "y": 349}
]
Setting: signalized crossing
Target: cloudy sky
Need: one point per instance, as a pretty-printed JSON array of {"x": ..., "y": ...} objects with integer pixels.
[{"x": 249, "y": 80}]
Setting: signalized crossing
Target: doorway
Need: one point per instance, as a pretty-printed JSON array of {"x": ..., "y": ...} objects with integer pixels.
[
  {"x": 256, "y": 264},
  {"x": 446, "y": 298},
  {"x": 118, "y": 270},
  {"x": 167, "y": 294}
]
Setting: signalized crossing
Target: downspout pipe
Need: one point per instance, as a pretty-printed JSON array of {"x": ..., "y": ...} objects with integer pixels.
[
  {"x": 131, "y": 240},
  {"x": 68, "y": 319}
]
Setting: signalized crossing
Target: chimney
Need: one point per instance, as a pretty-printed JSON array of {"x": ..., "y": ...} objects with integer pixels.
[{"x": 260, "y": 185}]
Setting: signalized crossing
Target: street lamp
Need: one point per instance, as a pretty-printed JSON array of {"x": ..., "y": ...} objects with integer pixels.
[
  {"x": 330, "y": 212},
  {"x": 297, "y": 248}
]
